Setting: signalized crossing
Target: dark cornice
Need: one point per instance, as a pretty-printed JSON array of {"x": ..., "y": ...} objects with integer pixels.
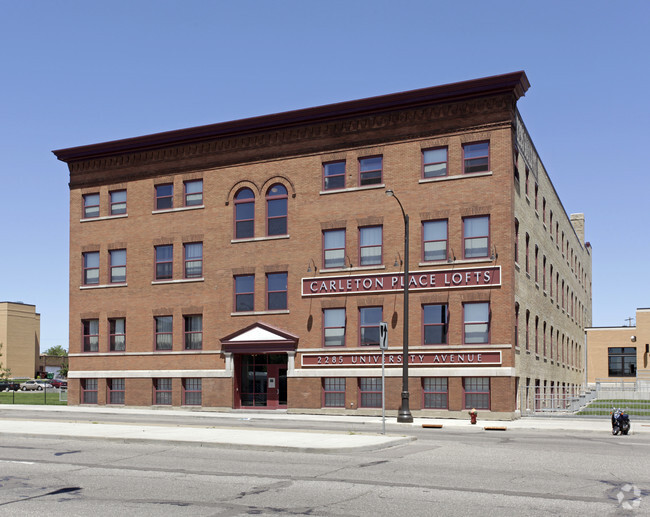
[{"x": 515, "y": 83}]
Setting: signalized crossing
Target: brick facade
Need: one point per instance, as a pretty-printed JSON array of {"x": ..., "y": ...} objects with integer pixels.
[
  {"x": 620, "y": 354},
  {"x": 290, "y": 150}
]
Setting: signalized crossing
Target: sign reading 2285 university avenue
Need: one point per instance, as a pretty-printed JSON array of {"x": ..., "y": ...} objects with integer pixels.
[
  {"x": 420, "y": 358},
  {"x": 394, "y": 282}
]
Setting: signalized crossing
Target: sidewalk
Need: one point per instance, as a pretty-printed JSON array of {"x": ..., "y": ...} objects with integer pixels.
[{"x": 220, "y": 435}]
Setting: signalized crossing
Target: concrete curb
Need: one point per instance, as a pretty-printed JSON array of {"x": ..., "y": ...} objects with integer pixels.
[{"x": 217, "y": 437}]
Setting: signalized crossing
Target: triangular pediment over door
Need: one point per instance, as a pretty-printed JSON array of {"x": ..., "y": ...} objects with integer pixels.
[{"x": 259, "y": 338}]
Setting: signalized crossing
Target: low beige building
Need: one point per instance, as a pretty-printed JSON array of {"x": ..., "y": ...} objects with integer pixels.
[
  {"x": 619, "y": 354},
  {"x": 20, "y": 336}
]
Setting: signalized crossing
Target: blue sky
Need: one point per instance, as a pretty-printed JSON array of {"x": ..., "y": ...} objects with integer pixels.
[{"x": 79, "y": 72}]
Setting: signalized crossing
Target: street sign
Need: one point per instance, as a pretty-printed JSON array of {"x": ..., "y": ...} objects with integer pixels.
[{"x": 383, "y": 336}]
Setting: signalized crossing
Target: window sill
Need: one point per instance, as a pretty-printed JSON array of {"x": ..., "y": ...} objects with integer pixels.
[
  {"x": 101, "y": 286},
  {"x": 180, "y": 209},
  {"x": 104, "y": 218},
  {"x": 257, "y": 239},
  {"x": 351, "y": 189},
  {"x": 435, "y": 263},
  {"x": 463, "y": 176},
  {"x": 355, "y": 268},
  {"x": 468, "y": 261},
  {"x": 180, "y": 281},
  {"x": 259, "y": 313}
]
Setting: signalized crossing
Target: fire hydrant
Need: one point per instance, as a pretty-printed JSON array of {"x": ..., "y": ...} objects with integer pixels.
[{"x": 472, "y": 416}]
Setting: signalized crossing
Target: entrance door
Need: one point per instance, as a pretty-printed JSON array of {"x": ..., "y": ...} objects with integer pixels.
[{"x": 263, "y": 381}]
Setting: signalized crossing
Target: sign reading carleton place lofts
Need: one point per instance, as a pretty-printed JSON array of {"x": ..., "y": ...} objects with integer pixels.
[{"x": 394, "y": 282}]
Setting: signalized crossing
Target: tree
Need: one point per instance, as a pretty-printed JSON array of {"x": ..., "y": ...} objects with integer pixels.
[
  {"x": 4, "y": 372},
  {"x": 59, "y": 351}
]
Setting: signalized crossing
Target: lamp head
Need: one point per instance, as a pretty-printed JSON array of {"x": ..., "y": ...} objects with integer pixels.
[{"x": 390, "y": 193}]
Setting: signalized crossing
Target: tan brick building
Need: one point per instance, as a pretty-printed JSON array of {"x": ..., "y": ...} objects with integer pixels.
[
  {"x": 249, "y": 263},
  {"x": 616, "y": 354},
  {"x": 20, "y": 336}
]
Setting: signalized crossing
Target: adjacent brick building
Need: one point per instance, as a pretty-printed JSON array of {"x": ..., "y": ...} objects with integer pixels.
[
  {"x": 249, "y": 263},
  {"x": 620, "y": 354},
  {"x": 20, "y": 336}
]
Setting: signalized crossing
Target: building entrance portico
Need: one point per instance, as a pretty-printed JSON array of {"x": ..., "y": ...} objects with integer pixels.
[
  {"x": 260, "y": 361},
  {"x": 261, "y": 380}
]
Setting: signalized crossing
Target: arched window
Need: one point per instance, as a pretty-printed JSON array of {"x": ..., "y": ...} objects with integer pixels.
[
  {"x": 244, "y": 214},
  {"x": 276, "y": 210}
]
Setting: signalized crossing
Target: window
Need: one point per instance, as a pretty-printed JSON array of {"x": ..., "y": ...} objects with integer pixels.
[
  {"x": 333, "y": 248},
  {"x": 536, "y": 195},
  {"x": 537, "y": 334},
  {"x": 369, "y": 320},
  {"x": 516, "y": 169},
  {"x": 434, "y": 240},
  {"x": 527, "y": 180},
  {"x": 117, "y": 334},
  {"x": 516, "y": 324},
  {"x": 476, "y": 392},
  {"x": 622, "y": 361},
  {"x": 193, "y": 192},
  {"x": 370, "y": 170},
  {"x": 476, "y": 157},
  {"x": 193, "y": 332},
  {"x": 192, "y": 392},
  {"x": 118, "y": 266},
  {"x": 91, "y": 205},
  {"x": 244, "y": 214},
  {"x": 370, "y": 392},
  {"x": 334, "y": 327},
  {"x": 91, "y": 335},
  {"x": 193, "y": 260},
  {"x": 164, "y": 196},
  {"x": 434, "y": 318},
  {"x": 164, "y": 327},
  {"x": 536, "y": 263},
  {"x": 527, "y": 329},
  {"x": 276, "y": 291},
  {"x": 334, "y": 392},
  {"x": 164, "y": 262},
  {"x": 333, "y": 175},
  {"x": 434, "y": 163},
  {"x": 91, "y": 268},
  {"x": 118, "y": 202},
  {"x": 276, "y": 210},
  {"x": 89, "y": 391},
  {"x": 476, "y": 325},
  {"x": 476, "y": 236},
  {"x": 527, "y": 253},
  {"x": 516, "y": 240},
  {"x": 244, "y": 293},
  {"x": 162, "y": 392},
  {"x": 115, "y": 389},
  {"x": 551, "y": 343},
  {"x": 550, "y": 224},
  {"x": 370, "y": 245},
  {"x": 435, "y": 392}
]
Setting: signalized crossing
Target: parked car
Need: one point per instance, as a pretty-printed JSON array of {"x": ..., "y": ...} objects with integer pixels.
[
  {"x": 37, "y": 385},
  {"x": 9, "y": 386},
  {"x": 59, "y": 383}
]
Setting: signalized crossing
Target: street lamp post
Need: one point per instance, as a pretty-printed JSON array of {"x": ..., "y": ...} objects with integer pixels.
[{"x": 404, "y": 413}]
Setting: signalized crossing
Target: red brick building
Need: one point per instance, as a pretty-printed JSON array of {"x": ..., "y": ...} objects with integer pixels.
[{"x": 250, "y": 263}]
